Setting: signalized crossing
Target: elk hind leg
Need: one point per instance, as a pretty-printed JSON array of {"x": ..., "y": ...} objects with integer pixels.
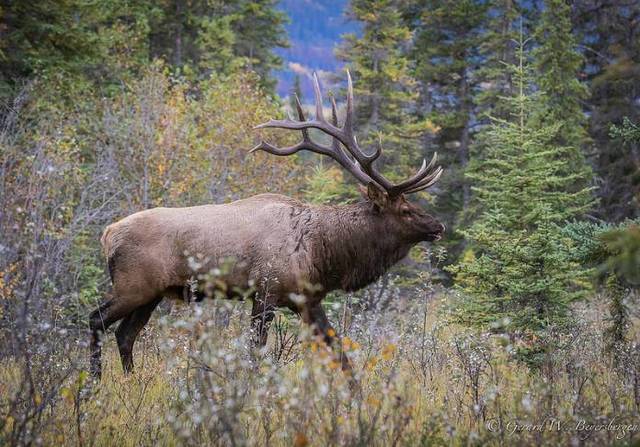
[
  {"x": 99, "y": 321},
  {"x": 129, "y": 329}
]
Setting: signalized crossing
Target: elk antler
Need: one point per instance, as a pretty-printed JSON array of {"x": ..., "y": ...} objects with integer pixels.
[{"x": 354, "y": 160}]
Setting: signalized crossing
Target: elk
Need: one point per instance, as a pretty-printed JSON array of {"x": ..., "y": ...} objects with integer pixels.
[{"x": 284, "y": 248}]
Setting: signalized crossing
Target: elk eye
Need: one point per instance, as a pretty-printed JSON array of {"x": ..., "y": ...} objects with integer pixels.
[{"x": 406, "y": 212}]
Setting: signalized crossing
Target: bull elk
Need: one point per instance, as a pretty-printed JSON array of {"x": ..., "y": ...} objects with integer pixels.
[{"x": 278, "y": 244}]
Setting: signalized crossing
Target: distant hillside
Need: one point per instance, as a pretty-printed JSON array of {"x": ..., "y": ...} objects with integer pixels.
[{"x": 315, "y": 29}]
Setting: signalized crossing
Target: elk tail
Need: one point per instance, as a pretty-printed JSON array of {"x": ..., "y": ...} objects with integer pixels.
[{"x": 110, "y": 242}]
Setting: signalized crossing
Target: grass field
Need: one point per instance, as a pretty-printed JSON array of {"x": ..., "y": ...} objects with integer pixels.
[{"x": 422, "y": 381}]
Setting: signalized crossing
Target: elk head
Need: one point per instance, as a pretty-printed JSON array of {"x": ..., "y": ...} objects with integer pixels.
[{"x": 387, "y": 199}]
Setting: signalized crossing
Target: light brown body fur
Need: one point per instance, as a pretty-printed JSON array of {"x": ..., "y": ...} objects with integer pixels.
[{"x": 272, "y": 244}]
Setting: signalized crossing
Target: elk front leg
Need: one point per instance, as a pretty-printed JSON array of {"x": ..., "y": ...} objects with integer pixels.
[
  {"x": 316, "y": 317},
  {"x": 262, "y": 314}
]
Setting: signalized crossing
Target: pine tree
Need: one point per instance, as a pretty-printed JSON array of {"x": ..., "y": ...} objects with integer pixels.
[
  {"x": 557, "y": 65},
  {"x": 498, "y": 47},
  {"x": 446, "y": 51},
  {"x": 610, "y": 36},
  {"x": 221, "y": 36},
  {"x": 259, "y": 27},
  {"x": 519, "y": 278},
  {"x": 215, "y": 42},
  {"x": 384, "y": 86},
  {"x": 48, "y": 35}
]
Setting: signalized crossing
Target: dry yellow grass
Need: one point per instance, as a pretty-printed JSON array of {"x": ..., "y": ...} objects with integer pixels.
[{"x": 422, "y": 382}]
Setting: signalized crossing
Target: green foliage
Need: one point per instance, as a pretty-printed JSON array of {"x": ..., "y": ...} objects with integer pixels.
[
  {"x": 51, "y": 34},
  {"x": 497, "y": 46},
  {"x": 384, "y": 87},
  {"x": 557, "y": 64},
  {"x": 202, "y": 36},
  {"x": 109, "y": 42},
  {"x": 612, "y": 249},
  {"x": 326, "y": 185},
  {"x": 614, "y": 252},
  {"x": 626, "y": 137},
  {"x": 259, "y": 30},
  {"x": 215, "y": 40},
  {"x": 446, "y": 51},
  {"x": 521, "y": 278},
  {"x": 624, "y": 245},
  {"x": 628, "y": 132},
  {"x": 611, "y": 42}
]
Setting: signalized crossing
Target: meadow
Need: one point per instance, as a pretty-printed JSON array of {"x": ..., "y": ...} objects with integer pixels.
[{"x": 422, "y": 381}]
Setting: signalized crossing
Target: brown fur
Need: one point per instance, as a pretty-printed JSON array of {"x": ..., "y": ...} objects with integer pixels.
[{"x": 275, "y": 243}]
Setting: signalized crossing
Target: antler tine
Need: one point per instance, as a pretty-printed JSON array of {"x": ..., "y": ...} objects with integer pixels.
[
  {"x": 427, "y": 181},
  {"x": 299, "y": 109},
  {"x": 271, "y": 149},
  {"x": 347, "y": 129},
  {"x": 301, "y": 117},
  {"x": 318, "y": 96},
  {"x": 348, "y": 122},
  {"x": 419, "y": 176},
  {"x": 334, "y": 111},
  {"x": 334, "y": 121}
]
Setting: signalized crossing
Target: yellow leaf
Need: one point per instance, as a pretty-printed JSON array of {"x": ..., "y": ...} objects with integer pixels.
[
  {"x": 373, "y": 401},
  {"x": 8, "y": 424},
  {"x": 371, "y": 364},
  {"x": 388, "y": 351}
]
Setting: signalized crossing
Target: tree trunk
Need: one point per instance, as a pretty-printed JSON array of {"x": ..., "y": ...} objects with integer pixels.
[{"x": 177, "y": 53}]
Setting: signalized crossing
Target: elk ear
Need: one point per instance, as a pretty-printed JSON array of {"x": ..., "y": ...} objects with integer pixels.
[{"x": 377, "y": 196}]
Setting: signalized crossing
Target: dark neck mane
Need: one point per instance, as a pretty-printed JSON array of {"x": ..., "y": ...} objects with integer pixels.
[{"x": 352, "y": 246}]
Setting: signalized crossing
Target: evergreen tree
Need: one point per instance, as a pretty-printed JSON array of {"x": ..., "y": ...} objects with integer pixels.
[
  {"x": 77, "y": 48},
  {"x": 384, "y": 86},
  {"x": 215, "y": 41},
  {"x": 557, "y": 65},
  {"x": 610, "y": 36},
  {"x": 259, "y": 27},
  {"x": 446, "y": 51},
  {"x": 202, "y": 36},
  {"x": 498, "y": 46},
  {"x": 52, "y": 34},
  {"x": 519, "y": 277}
]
